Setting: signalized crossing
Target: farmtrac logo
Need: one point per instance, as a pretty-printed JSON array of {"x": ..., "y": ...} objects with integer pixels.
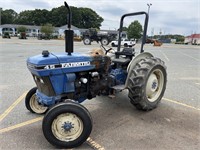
[{"x": 68, "y": 65}]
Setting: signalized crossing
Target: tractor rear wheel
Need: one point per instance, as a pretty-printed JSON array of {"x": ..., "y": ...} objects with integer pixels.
[
  {"x": 104, "y": 41},
  {"x": 67, "y": 125},
  {"x": 87, "y": 41},
  {"x": 32, "y": 104},
  {"x": 147, "y": 83}
]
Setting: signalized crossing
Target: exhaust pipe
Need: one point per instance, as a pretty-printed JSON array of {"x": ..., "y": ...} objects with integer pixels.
[{"x": 69, "y": 34}]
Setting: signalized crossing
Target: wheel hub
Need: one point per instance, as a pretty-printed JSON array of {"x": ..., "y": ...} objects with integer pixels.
[
  {"x": 67, "y": 126},
  {"x": 154, "y": 85}
]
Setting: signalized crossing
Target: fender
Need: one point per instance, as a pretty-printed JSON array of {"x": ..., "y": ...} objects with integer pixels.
[{"x": 134, "y": 61}]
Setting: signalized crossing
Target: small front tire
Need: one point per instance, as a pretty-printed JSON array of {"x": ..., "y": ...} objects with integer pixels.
[
  {"x": 32, "y": 104},
  {"x": 67, "y": 125}
]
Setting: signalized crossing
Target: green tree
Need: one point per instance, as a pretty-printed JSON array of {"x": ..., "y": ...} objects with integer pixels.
[
  {"x": 134, "y": 30},
  {"x": 25, "y": 17},
  {"x": 40, "y": 17},
  {"x": 34, "y": 17},
  {"x": 90, "y": 19},
  {"x": 8, "y": 16},
  {"x": 81, "y": 17},
  {"x": 76, "y": 16},
  {"x": 58, "y": 16},
  {"x": 21, "y": 29},
  {"x": 47, "y": 29}
]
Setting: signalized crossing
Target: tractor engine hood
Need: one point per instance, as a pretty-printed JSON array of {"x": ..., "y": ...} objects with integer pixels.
[{"x": 59, "y": 63}]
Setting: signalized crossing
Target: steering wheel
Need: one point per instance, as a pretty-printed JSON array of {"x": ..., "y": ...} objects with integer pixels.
[{"x": 106, "y": 50}]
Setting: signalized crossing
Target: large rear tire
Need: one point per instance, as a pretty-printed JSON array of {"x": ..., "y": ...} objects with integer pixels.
[
  {"x": 147, "y": 83},
  {"x": 87, "y": 41},
  {"x": 104, "y": 41},
  {"x": 67, "y": 125}
]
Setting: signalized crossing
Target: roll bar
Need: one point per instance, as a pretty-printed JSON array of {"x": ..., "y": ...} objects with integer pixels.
[{"x": 144, "y": 32}]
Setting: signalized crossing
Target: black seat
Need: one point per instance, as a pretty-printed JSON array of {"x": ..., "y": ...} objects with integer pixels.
[
  {"x": 121, "y": 60},
  {"x": 127, "y": 51}
]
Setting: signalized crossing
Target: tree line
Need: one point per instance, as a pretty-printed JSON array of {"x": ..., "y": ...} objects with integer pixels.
[{"x": 82, "y": 17}]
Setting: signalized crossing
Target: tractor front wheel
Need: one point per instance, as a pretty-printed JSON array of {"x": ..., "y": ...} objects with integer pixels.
[
  {"x": 32, "y": 104},
  {"x": 67, "y": 125},
  {"x": 147, "y": 83}
]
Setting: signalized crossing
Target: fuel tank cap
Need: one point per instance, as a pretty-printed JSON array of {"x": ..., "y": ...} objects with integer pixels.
[{"x": 45, "y": 53}]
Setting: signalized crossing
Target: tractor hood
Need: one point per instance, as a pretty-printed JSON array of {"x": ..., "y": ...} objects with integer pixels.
[{"x": 58, "y": 63}]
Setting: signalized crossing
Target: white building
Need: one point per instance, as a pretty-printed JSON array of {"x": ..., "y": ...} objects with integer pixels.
[
  {"x": 192, "y": 39},
  {"x": 63, "y": 28},
  {"x": 12, "y": 29},
  {"x": 34, "y": 30}
]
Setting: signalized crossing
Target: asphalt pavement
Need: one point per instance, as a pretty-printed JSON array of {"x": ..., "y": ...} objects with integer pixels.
[{"x": 175, "y": 124}]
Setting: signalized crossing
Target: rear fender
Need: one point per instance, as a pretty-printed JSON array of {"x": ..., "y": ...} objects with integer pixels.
[{"x": 134, "y": 61}]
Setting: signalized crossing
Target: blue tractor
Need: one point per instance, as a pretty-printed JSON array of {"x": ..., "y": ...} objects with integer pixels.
[{"x": 64, "y": 80}]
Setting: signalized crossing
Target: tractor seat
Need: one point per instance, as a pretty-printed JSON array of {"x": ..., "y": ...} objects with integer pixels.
[
  {"x": 128, "y": 52},
  {"x": 121, "y": 60}
]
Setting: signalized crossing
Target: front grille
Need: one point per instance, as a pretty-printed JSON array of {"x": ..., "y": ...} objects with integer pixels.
[{"x": 44, "y": 85}]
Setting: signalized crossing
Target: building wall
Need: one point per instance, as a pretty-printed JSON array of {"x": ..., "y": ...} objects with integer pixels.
[
  {"x": 32, "y": 30},
  {"x": 192, "y": 40},
  {"x": 9, "y": 30},
  {"x": 62, "y": 34},
  {"x": 196, "y": 41},
  {"x": 13, "y": 31},
  {"x": 187, "y": 40}
]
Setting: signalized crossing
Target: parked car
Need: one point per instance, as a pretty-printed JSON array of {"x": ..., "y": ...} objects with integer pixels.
[
  {"x": 124, "y": 42},
  {"x": 6, "y": 35},
  {"x": 43, "y": 36},
  {"x": 22, "y": 35}
]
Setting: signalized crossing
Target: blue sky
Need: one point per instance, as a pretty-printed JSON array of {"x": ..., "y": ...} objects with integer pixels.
[{"x": 166, "y": 16}]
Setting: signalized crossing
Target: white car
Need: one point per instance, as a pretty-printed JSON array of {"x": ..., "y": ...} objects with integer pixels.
[{"x": 124, "y": 42}]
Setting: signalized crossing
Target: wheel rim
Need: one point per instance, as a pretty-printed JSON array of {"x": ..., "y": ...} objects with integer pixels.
[
  {"x": 67, "y": 127},
  {"x": 35, "y": 106},
  {"x": 154, "y": 85},
  {"x": 104, "y": 42},
  {"x": 87, "y": 41}
]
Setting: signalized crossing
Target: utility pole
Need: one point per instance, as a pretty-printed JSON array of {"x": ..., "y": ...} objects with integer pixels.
[
  {"x": 149, "y": 5},
  {"x": 0, "y": 15}
]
